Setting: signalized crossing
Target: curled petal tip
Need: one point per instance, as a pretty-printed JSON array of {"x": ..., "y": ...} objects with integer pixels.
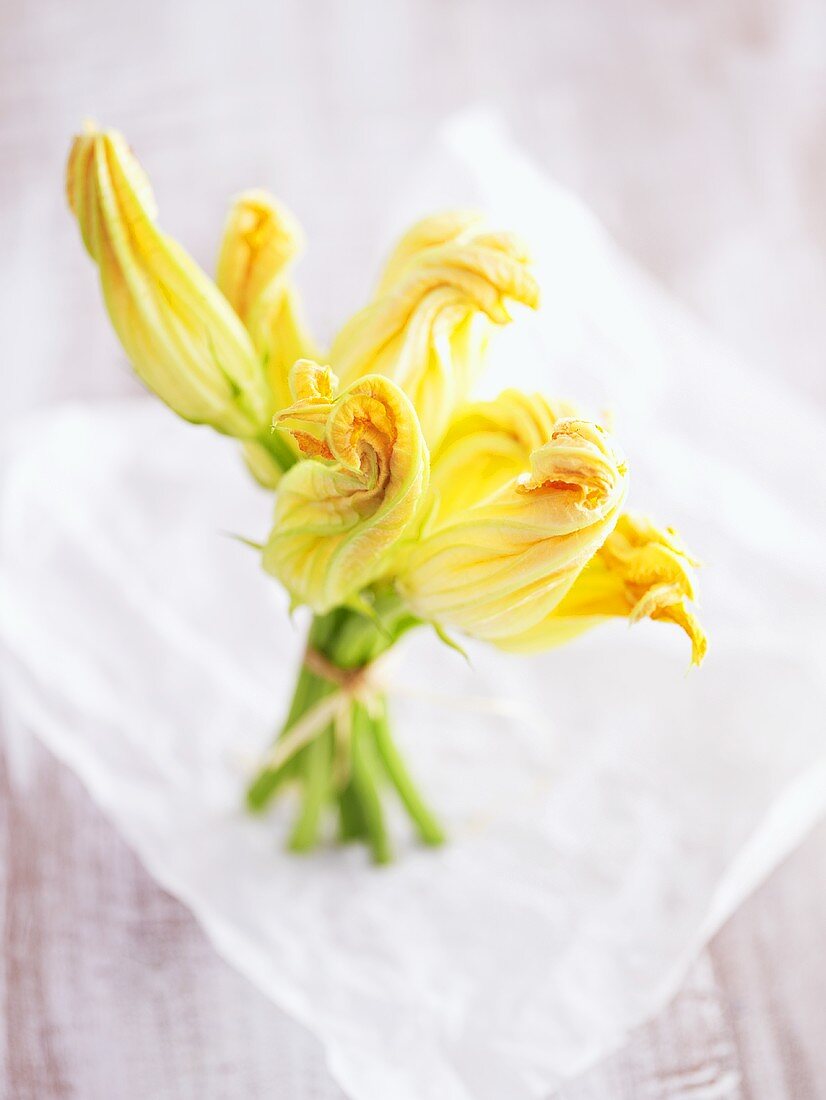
[
  {"x": 430, "y": 232},
  {"x": 447, "y": 285},
  {"x": 310, "y": 381},
  {"x": 337, "y": 521},
  {"x": 490, "y": 443},
  {"x": 642, "y": 572},
  {"x": 313, "y": 388},
  {"x": 577, "y": 459}
]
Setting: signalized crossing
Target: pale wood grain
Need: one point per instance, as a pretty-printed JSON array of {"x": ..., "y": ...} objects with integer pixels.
[
  {"x": 111, "y": 989},
  {"x": 690, "y": 1049},
  {"x": 751, "y": 1018}
]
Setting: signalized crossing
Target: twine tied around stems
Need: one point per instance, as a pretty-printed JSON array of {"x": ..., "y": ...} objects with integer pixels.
[
  {"x": 357, "y": 682},
  {"x": 352, "y": 715},
  {"x": 364, "y": 685},
  {"x": 361, "y": 685}
]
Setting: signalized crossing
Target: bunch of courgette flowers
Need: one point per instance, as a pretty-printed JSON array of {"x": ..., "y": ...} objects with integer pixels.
[{"x": 399, "y": 501}]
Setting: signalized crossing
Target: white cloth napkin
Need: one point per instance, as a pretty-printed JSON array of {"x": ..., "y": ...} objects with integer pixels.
[{"x": 607, "y": 809}]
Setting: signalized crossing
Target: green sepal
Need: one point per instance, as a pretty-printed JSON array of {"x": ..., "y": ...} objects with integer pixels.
[
  {"x": 444, "y": 637},
  {"x": 253, "y": 545}
]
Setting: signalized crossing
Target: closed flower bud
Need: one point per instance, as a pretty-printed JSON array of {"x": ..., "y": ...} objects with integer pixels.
[
  {"x": 261, "y": 242},
  {"x": 445, "y": 288},
  {"x": 497, "y": 568},
  {"x": 339, "y": 514},
  {"x": 180, "y": 333}
]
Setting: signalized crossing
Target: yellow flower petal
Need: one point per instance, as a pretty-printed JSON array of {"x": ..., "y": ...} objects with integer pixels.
[
  {"x": 640, "y": 572},
  {"x": 182, "y": 336},
  {"x": 498, "y": 568},
  {"x": 437, "y": 229},
  {"x": 339, "y": 514},
  {"x": 314, "y": 388},
  {"x": 261, "y": 241},
  {"x": 446, "y": 286},
  {"x": 488, "y": 444}
]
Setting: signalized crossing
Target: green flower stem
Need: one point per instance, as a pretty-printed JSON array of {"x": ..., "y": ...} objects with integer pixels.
[
  {"x": 314, "y": 762},
  {"x": 317, "y": 776},
  {"x": 309, "y": 690},
  {"x": 426, "y": 824},
  {"x": 351, "y": 822},
  {"x": 349, "y": 640},
  {"x": 268, "y": 780},
  {"x": 366, "y": 786}
]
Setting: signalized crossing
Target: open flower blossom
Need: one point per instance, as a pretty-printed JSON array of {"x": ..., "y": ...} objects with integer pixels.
[
  {"x": 338, "y": 515},
  {"x": 399, "y": 500},
  {"x": 496, "y": 568},
  {"x": 180, "y": 333},
  {"x": 639, "y": 571},
  {"x": 445, "y": 287}
]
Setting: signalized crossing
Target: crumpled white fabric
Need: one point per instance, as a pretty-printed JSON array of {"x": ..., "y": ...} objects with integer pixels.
[{"x": 607, "y": 809}]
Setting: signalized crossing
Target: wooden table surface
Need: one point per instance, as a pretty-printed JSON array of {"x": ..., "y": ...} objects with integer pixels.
[
  {"x": 696, "y": 131},
  {"x": 112, "y": 990}
]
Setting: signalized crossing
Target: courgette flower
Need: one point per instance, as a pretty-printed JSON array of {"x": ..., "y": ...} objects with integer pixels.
[
  {"x": 340, "y": 512},
  {"x": 444, "y": 289},
  {"x": 261, "y": 242},
  {"x": 642, "y": 571},
  {"x": 181, "y": 334},
  {"x": 496, "y": 568},
  {"x": 638, "y": 571}
]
